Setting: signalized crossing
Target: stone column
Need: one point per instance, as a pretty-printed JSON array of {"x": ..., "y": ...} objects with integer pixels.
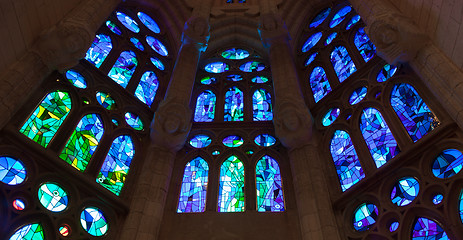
[
  {"x": 399, "y": 40},
  {"x": 59, "y": 48},
  {"x": 293, "y": 126},
  {"x": 169, "y": 130}
]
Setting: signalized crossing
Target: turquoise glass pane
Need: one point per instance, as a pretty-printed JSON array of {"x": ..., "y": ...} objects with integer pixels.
[
  {"x": 76, "y": 79},
  {"x": 252, "y": 67},
  {"x": 215, "y": 153},
  {"x": 217, "y": 67},
  {"x": 320, "y": 18},
  {"x": 113, "y": 27},
  {"x": 128, "y": 22},
  {"x": 234, "y": 78},
  {"x": 93, "y": 221},
  {"x": 12, "y": 171},
  {"x": 200, "y": 141},
  {"x": 147, "y": 87},
  {"x": 83, "y": 142},
  {"x": 330, "y": 38},
  {"x": 259, "y": 79},
  {"x": 231, "y": 186},
  {"x": 208, "y": 80},
  {"x": 426, "y": 229},
  {"x": 205, "y": 107},
  {"x": 235, "y": 54},
  {"x": 310, "y": 59},
  {"x": 319, "y": 83},
  {"x": 342, "y": 63},
  {"x": 366, "y": 48},
  {"x": 194, "y": 186},
  {"x": 365, "y": 216},
  {"x": 124, "y": 68},
  {"x": 134, "y": 121},
  {"x": 116, "y": 165},
  {"x": 311, "y": 41},
  {"x": 386, "y": 72},
  {"x": 233, "y": 141},
  {"x": 47, "y": 118},
  {"x": 357, "y": 95},
  {"x": 106, "y": 100},
  {"x": 99, "y": 50},
  {"x": 345, "y": 160},
  {"x": 148, "y": 22},
  {"x": 352, "y": 22},
  {"x": 157, "y": 46},
  {"x": 137, "y": 43},
  {"x": 234, "y": 105},
  {"x": 415, "y": 115},
  {"x": 405, "y": 191},
  {"x": 157, "y": 63},
  {"x": 340, "y": 16},
  {"x": 32, "y": 231},
  {"x": 448, "y": 163},
  {"x": 378, "y": 136},
  {"x": 262, "y": 105},
  {"x": 461, "y": 206},
  {"x": 115, "y": 122},
  {"x": 53, "y": 197},
  {"x": 265, "y": 140},
  {"x": 331, "y": 116},
  {"x": 268, "y": 186}
]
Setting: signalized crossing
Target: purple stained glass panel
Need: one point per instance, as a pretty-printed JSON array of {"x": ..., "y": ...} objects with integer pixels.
[
  {"x": 366, "y": 48},
  {"x": 268, "y": 186},
  {"x": 194, "y": 186},
  {"x": 426, "y": 229},
  {"x": 342, "y": 63},
  {"x": 124, "y": 68},
  {"x": 319, "y": 83},
  {"x": 205, "y": 107},
  {"x": 99, "y": 50}
]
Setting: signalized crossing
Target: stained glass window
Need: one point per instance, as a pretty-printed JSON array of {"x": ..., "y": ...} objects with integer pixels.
[
  {"x": 394, "y": 226},
  {"x": 231, "y": 186},
  {"x": 234, "y": 105},
  {"x": 46, "y": 119},
  {"x": 437, "y": 199},
  {"x": 128, "y": 22},
  {"x": 357, "y": 95},
  {"x": 116, "y": 165},
  {"x": 205, "y": 107},
  {"x": 83, "y": 142},
  {"x": 378, "y": 136},
  {"x": 64, "y": 230},
  {"x": 157, "y": 46},
  {"x": 268, "y": 184},
  {"x": 33, "y": 231},
  {"x": 320, "y": 18},
  {"x": 12, "y": 171},
  {"x": 311, "y": 41},
  {"x": 310, "y": 59},
  {"x": 133, "y": 120},
  {"x": 124, "y": 68},
  {"x": 365, "y": 216},
  {"x": 234, "y": 78},
  {"x": 18, "y": 204},
  {"x": 448, "y": 163},
  {"x": 233, "y": 141},
  {"x": 259, "y": 79},
  {"x": 148, "y": 22},
  {"x": 353, "y": 21},
  {"x": 76, "y": 79},
  {"x": 386, "y": 72},
  {"x": 137, "y": 43},
  {"x": 405, "y": 191},
  {"x": 331, "y": 116},
  {"x": 262, "y": 105},
  {"x": 265, "y": 140},
  {"x": 366, "y": 48},
  {"x": 99, "y": 50},
  {"x": 53, "y": 197},
  {"x": 200, "y": 141},
  {"x": 461, "y": 206},
  {"x": 342, "y": 63},
  {"x": 194, "y": 186},
  {"x": 330, "y": 38},
  {"x": 426, "y": 229},
  {"x": 157, "y": 63},
  {"x": 340, "y": 16},
  {"x": 235, "y": 54},
  {"x": 319, "y": 83},
  {"x": 113, "y": 27},
  {"x": 93, "y": 221},
  {"x": 106, "y": 100},
  {"x": 147, "y": 87},
  {"x": 345, "y": 160},
  {"x": 415, "y": 115},
  {"x": 217, "y": 67},
  {"x": 252, "y": 66},
  {"x": 208, "y": 80}
]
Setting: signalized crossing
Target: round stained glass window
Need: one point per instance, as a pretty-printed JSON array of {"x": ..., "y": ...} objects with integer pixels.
[
  {"x": 394, "y": 226},
  {"x": 53, "y": 197},
  {"x": 331, "y": 116},
  {"x": 217, "y": 67},
  {"x": 437, "y": 199},
  {"x": 64, "y": 230},
  {"x": 113, "y": 27},
  {"x": 405, "y": 191},
  {"x": 157, "y": 63},
  {"x": 12, "y": 171},
  {"x": 200, "y": 141},
  {"x": 448, "y": 163},
  {"x": 128, "y": 22},
  {"x": 134, "y": 121},
  {"x": 320, "y": 18},
  {"x": 357, "y": 95},
  {"x": 252, "y": 67},
  {"x": 235, "y": 54},
  {"x": 233, "y": 141},
  {"x": 157, "y": 46},
  {"x": 208, "y": 80},
  {"x": 148, "y": 22},
  {"x": 76, "y": 79},
  {"x": 311, "y": 41},
  {"x": 365, "y": 216},
  {"x": 106, "y": 100},
  {"x": 265, "y": 140},
  {"x": 19, "y": 204},
  {"x": 234, "y": 78},
  {"x": 310, "y": 59},
  {"x": 259, "y": 79},
  {"x": 386, "y": 72},
  {"x": 93, "y": 221},
  {"x": 340, "y": 16}
]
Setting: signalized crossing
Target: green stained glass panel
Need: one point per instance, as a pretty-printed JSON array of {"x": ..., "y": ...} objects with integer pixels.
[
  {"x": 106, "y": 100},
  {"x": 53, "y": 197},
  {"x": 32, "y": 231},
  {"x": 268, "y": 186},
  {"x": 94, "y": 222},
  {"x": 231, "y": 186}
]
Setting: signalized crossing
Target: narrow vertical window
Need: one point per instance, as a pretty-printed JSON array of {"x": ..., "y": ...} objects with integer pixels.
[
  {"x": 123, "y": 69},
  {"x": 146, "y": 89},
  {"x": 366, "y": 48},
  {"x": 342, "y": 63},
  {"x": 319, "y": 83},
  {"x": 262, "y": 105},
  {"x": 345, "y": 159},
  {"x": 205, "y": 107},
  {"x": 378, "y": 136},
  {"x": 231, "y": 189},
  {"x": 194, "y": 186},
  {"x": 116, "y": 164},
  {"x": 415, "y": 115},
  {"x": 83, "y": 142},
  {"x": 46, "y": 119},
  {"x": 268, "y": 186},
  {"x": 99, "y": 50},
  {"x": 233, "y": 109}
]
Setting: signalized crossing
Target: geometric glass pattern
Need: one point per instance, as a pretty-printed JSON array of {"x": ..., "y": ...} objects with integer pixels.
[
  {"x": 123, "y": 68},
  {"x": 340, "y": 16},
  {"x": 366, "y": 48},
  {"x": 147, "y": 87},
  {"x": 265, "y": 140},
  {"x": 415, "y": 115},
  {"x": 252, "y": 66},
  {"x": 157, "y": 63},
  {"x": 386, "y": 72},
  {"x": 12, "y": 171},
  {"x": 262, "y": 105},
  {"x": 268, "y": 184},
  {"x": 342, "y": 63},
  {"x": 106, "y": 100},
  {"x": 53, "y": 197},
  {"x": 311, "y": 41},
  {"x": 200, "y": 141},
  {"x": 320, "y": 18},
  {"x": 137, "y": 43},
  {"x": 426, "y": 229},
  {"x": 448, "y": 163},
  {"x": 44, "y": 122},
  {"x": 231, "y": 186},
  {"x": 99, "y": 50},
  {"x": 378, "y": 136},
  {"x": 113, "y": 27},
  {"x": 235, "y": 54},
  {"x": 64, "y": 230},
  {"x": 134, "y": 121},
  {"x": 405, "y": 191},
  {"x": 233, "y": 141},
  {"x": 194, "y": 186},
  {"x": 128, "y": 22},
  {"x": 205, "y": 107},
  {"x": 32, "y": 231},
  {"x": 148, "y": 22},
  {"x": 319, "y": 83},
  {"x": 83, "y": 142},
  {"x": 233, "y": 109},
  {"x": 357, "y": 95},
  {"x": 116, "y": 165},
  {"x": 365, "y": 216},
  {"x": 76, "y": 79},
  {"x": 93, "y": 221},
  {"x": 353, "y": 21},
  {"x": 345, "y": 160},
  {"x": 157, "y": 46},
  {"x": 331, "y": 116},
  {"x": 216, "y": 67}
]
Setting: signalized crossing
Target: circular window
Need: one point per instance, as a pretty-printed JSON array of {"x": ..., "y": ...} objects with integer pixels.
[
  {"x": 53, "y": 197},
  {"x": 405, "y": 191},
  {"x": 365, "y": 216}
]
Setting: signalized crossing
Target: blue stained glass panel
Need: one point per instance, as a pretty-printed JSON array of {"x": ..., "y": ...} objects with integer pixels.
[
  {"x": 76, "y": 79},
  {"x": 208, "y": 80},
  {"x": 448, "y": 163},
  {"x": 268, "y": 186},
  {"x": 137, "y": 43},
  {"x": 53, "y": 197},
  {"x": 378, "y": 136},
  {"x": 217, "y": 67},
  {"x": 262, "y": 105},
  {"x": 147, "y": 87},
  {"x": 234, "y": 105},
  {"x": 311, "y": 41},
  {"x": 461, "y": 206},
  {"x": 128, "y": 22},
  {"x": 366, "y": 48},
  {"x": 310, "y": 59},
  {"x": 342, "y": 63},
  {"x": 234, "y": 78},
  {"x": 437, "y": 199},
  {"x": 157, "y": 63},
  {"x": 148, "y": 22},
  {"x": 357, "y": 95},
  {"x": 394, "y": 226},
  {"x": 319, "y": 83},
  {"x": 320, "y": 18},
  {"x": 99, "y": 50},
  {"x": 231, "y": 186},
  {"x": 386, "y": 72},
  {"x": 252, "y": 66},
  {"x": 352, "y": 22},
  {"x": 345, "y": 160},
  {"x": 124, "y": 68},
  {"x": 259, "y": 79},
  {"x": 33, "y": 231},
  {"x": 235, "y": 54},
  {"x": 93, "y": 221},
  {"x": 330, "y": 38},
  {"x": 12, "y": 171},
  {"x": 134, "y": 121},
  {"x": 233, "y": 141},
  {"x": 157, "y": 46},
  {"x": 105, "y": 100},
  {"x": 200, "y": 141},
  {"x": 365, "y": 216},
  {"x": 113, "y": 27},
  {"x": 340, "y": 16},
  {"x": 426, "y": 229},
  {"x": 415, "y": 115},
  {"x": 205, "y": 107},
  {"x": 331, "y": 116},
  {"x": 265, "y": 140},
  {"x": 405, "y": 191},
  {"x": 194, "y": 186}
]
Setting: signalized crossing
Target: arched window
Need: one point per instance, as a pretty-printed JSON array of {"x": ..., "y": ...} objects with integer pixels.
[
  {"x": 364, "y": 45},
  {"x": 99, "y": 50},
  {"x": 205, "y": 107},
  {"x": 147, "y": 87},
  {"x": 231, "y": 189},
  {"x": 429, "y": 228},
  {"x": 194, "y": 186},
  {"x": 268, "y": 184},
  {"x": 319, "y": 83},
  {"x": 234, "y": 105},
  {"x": 124, "y": 68},
  {"x": 262, "y": 105},
  {"x": 342, "y": 63}
]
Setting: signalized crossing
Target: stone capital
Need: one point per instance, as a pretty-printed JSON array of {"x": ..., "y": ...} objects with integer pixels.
[
  {"x": 293, "y": 123},
  {"x": 272, "y": 29},
  {"x": 196, "y": 32}
]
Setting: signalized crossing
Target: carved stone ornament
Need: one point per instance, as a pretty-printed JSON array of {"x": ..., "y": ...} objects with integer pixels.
[
  {"x": 271, "y": 28},
  {"x": 171, "y": 125},
  {"x": 293, "y": 124},
  {"x": 196, "y": 31},
  {"x": 396, "y": 37}
]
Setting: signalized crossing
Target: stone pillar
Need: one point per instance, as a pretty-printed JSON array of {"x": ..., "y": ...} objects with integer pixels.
[
  {"x": 399, "y": 40},
  {"x": 293, "y": 126},
  {"x": 59, "y": 48},
  {"x": 169, "y": 130}
]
